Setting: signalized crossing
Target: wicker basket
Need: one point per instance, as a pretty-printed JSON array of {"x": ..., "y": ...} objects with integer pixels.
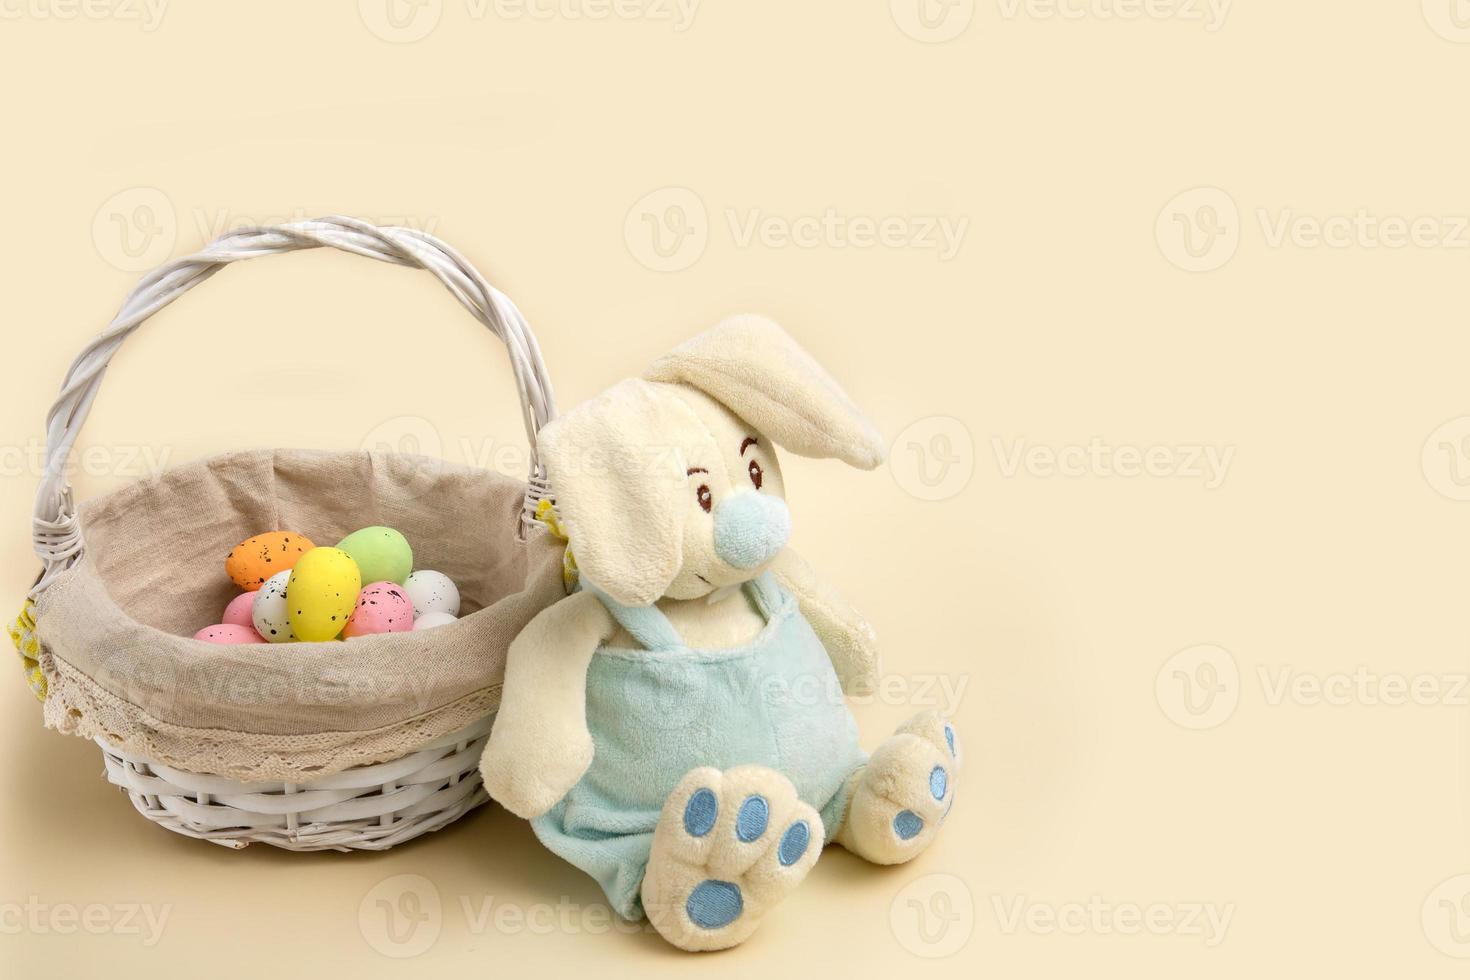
[{"x": 237, "y": 773}]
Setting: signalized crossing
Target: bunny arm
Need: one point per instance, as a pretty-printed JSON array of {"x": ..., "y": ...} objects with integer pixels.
[
  {"x": 540, "y": 745},
  {"x": 849, "y": 639}
]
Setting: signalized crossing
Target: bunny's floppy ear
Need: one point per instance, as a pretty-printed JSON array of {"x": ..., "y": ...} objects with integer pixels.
[
  {"x": 620, "y": 488},
  {"x": 756, "y": 370}
]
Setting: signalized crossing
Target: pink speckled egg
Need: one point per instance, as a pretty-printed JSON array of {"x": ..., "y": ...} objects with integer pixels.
[
  {"x": 382, "y": 607},
  {"x": 237, "y": 613},
  {"x": 229, "y": 633}
]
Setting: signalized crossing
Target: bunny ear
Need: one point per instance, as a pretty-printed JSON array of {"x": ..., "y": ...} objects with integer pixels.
[
  {"x": 621, "y": 488},
  {"x": 756, "y": 370}
]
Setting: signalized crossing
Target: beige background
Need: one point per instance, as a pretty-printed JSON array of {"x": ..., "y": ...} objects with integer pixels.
[{"x": 1232, "y": 688}]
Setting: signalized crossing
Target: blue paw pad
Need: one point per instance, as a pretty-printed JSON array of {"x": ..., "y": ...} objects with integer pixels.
[
  {"x": 714, "y": 904},
  {"x": 938, "y": 782},
  {"x": 949, "y": 737},
  {"x": 794, "y": 843},
  {"x": 907, "y": 825},
  {"x": 751, "y": 821},
  {"x": 700, "y": 812}
]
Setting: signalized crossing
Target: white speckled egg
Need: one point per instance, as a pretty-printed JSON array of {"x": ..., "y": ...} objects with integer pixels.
[
  {"x": 269, "y": 613},
  {"x": 431, "y": 591},
  {"x": 431, "y": 619}
]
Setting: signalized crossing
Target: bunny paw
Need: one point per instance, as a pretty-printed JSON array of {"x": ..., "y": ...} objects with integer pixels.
[
  {"x": 729, "y": 846},
  {"x": 904, "y": 792}
]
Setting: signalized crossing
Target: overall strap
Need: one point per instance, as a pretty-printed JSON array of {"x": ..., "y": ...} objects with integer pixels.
[
  {"x": 766, "y": 593},
  {"x": 646, "y": 624}
]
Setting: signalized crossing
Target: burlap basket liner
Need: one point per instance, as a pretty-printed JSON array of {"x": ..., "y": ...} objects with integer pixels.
[{"x": 116, "y": 627}]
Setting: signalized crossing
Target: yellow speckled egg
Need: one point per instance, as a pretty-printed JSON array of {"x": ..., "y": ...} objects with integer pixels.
[
  {"x": 256, "y": 559},
  {"x": 321, "y": 593}
]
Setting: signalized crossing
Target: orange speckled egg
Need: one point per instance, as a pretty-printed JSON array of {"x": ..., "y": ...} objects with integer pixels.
[{"x": 256, "y": 559}]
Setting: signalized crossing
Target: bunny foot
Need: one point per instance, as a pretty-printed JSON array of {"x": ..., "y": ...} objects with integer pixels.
[
  {"x": 904, "y": 792},
  {"x": 729, "y": 846}
]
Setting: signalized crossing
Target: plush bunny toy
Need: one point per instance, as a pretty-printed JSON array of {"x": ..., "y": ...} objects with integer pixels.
[{"x": 676, "y": 728}]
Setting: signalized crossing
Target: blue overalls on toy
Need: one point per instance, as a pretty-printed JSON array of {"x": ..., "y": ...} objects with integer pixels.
[{"x": 656, "y": 713}]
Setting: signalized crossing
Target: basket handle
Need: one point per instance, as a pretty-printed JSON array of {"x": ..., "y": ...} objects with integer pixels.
[{"x": 57, "y": 535}]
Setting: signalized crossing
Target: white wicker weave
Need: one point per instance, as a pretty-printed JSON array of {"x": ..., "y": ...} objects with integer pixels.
[
  {"x": 365, "y": 808},
  {"x": 371, "y": 807}
]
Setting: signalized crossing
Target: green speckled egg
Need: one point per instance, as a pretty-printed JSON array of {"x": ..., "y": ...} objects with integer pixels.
[
  {"x": 381, "y": 553},
  {"x": 321, "y": 593}
]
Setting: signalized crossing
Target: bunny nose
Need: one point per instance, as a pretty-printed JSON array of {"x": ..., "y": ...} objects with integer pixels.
[{"x": 750, "y": 528}]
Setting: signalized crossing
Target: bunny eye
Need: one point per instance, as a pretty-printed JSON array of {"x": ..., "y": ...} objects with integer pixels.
[
  {"x": 705, "y": 498},
  {"x": 757, "y": 475}
]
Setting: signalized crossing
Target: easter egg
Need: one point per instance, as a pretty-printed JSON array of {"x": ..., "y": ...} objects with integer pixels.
[
  {"x": 381, "y": 553},
  {"x": 321, "y": 593},
  {"x": 431, "y": 591},
  {"x": 256, "y": 559},
  {"x": 381, "y": 608},
  {"x": 431, "y": 619},
  {"x": 268, "y": 614},
  {"x": 228, "y": 633},
  {"x": 238, "y": 611}
]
